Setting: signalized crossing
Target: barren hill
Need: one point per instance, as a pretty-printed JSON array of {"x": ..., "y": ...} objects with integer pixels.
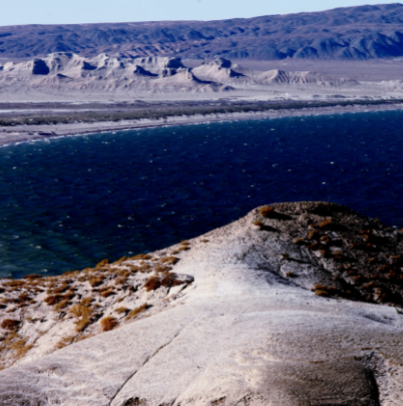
[
  {"x": 353, "y": 33},
  {"x": 67, "y": 72},
  {"x": 295, "y": 304}
]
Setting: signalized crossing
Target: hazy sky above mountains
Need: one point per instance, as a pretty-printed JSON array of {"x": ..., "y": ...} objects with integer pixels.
[{"x": 94, "y": 11}]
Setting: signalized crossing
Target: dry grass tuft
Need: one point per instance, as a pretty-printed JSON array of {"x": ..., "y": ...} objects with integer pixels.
[
  {"x": 86, "y": 301},
  {"x": 141, "y": 256},
  {"x": 62, "y": 305},
  {"x": 122, "y": 279},
  {"x": 82, "y": 324},
  {"x": 264, "y": 227},
  {"x": 10, "y": 324},
  {"x": 109, "y": 323},
  {"x": 102, "y": 263},
  {"x": 321, "y": 290},
  {"x": 84, "y": 314},
  {"x": 14, "y": 284},
  {"x": 121, "y": 310},
  {"x": 135, "y": 312},
  {"x": 170, "y": 260},
  {"x": 269, "y": 213},
  {"x": 20, "y": 348},
  {"x": 84, "y": 337},
  {"x": 106, "y": 291},
  {"x": 119, "y": 261},
  {"x": 153, "y": 283},
  {"x": 53, "y": 300},
  {"x": 81, "y": 311},
  {"x": 266, "y": 211},
  {"x": 33, "y": 276},
  {"x": 64, "y": 342},
  {"x": 59, "y": 289},
  {"x": 71, "y": 273},
  {"x": 96, "y": 280},
  {"x": 167, "y": 280}
]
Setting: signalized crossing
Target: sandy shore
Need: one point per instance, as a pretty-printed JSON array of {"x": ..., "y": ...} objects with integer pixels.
[{"x": 25, "y": 133}]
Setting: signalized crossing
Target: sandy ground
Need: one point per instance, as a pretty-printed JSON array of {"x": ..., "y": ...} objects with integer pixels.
[
  {"x": 24, "y": 110},
  {"x": 26, "y": 133}
]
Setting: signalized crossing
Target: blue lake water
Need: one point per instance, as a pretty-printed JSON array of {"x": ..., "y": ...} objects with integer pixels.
[{"x": 69, "y": 202}]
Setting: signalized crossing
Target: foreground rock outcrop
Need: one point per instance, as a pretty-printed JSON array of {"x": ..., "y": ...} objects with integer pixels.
[{"x": 295, "y": 304}]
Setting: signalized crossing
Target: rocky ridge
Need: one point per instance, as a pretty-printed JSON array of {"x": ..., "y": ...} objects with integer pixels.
[
  {"x": 353, "y": 33},
  {"x": 295, "y": 304}
]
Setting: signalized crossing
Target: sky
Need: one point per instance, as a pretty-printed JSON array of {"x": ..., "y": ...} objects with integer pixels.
[{"x": 17, "y": 12}]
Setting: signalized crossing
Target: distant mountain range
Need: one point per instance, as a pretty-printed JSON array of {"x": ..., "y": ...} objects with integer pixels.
[{"x": 354, "y": 33}]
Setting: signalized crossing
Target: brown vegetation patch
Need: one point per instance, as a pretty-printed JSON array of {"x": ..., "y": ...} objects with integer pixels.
[
  {"x": 86, "y": 301},
  {"x": 20, "y": 347},
  {"x": 109, "y": 323},
  {"x": 59, "y": 289},
  {"x": 102, "y": 263},
  {"x": 14, "y": 284},
  {"x": 141, "y": 256},
  {"x": 121, "y": 310},
  {"x": 153, "y": 283},
  {"x": 135, "y": 312},
  {"x": 62, "y": 305},
  {"x": 167, "y": 279},
  {"x": 119, "y": 261},
  {"x": 53, "y": 300},
  {"x": 33, "y": 276},
  {"x": 64, "y": 342},
  {"x": 84, "y": 314},
  {"x": 264, "y": 227},
  {"x": 269, "y": 213},
  {"x": 170, "y": 260},
  {"x": 10, "y": 324},
  {"x": 106, "y": 291},
  {"x": 97, "y": 280}
]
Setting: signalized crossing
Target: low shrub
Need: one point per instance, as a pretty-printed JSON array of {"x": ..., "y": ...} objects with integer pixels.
[
  {"x": 64, "y": 342},
  {"x": 141, "y": 256},
  {"x": 96, "y": 280},
  {"x": 62, "y": 305},
  {"x": 170, "y": 260},
  {"x": 106, "y": 292},
  {"x": 33, "y": 276},
  {"x": 119, "y": 261},
  {"x": 10, "y": 324},
  {"x": 121, "y": 310},
  {"x": 153, "y": 283},
  {"x": 269, "y": 213},
  {"x": 135, "y": 312},
  {"x": 86, "y": 301},
  {"x": 20, "y": 348},
  {"x": 53, "y": 299},
  {"x": 109, "y": 323},
  {"x": 102, "y": 263},
  {"x": 170, "y": 280},
  {"x": 81, "y": 311},
  {"x": 264, "y": 227},
  {"x": 60, "y": 289},
  {"x": 14, "y": 284}
]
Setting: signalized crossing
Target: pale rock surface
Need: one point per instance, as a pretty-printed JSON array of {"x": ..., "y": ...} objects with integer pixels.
[{"x": 242, "y": 326}]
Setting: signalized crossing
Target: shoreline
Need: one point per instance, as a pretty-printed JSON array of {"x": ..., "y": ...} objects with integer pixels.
[{"x": 12, "y": 135}]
